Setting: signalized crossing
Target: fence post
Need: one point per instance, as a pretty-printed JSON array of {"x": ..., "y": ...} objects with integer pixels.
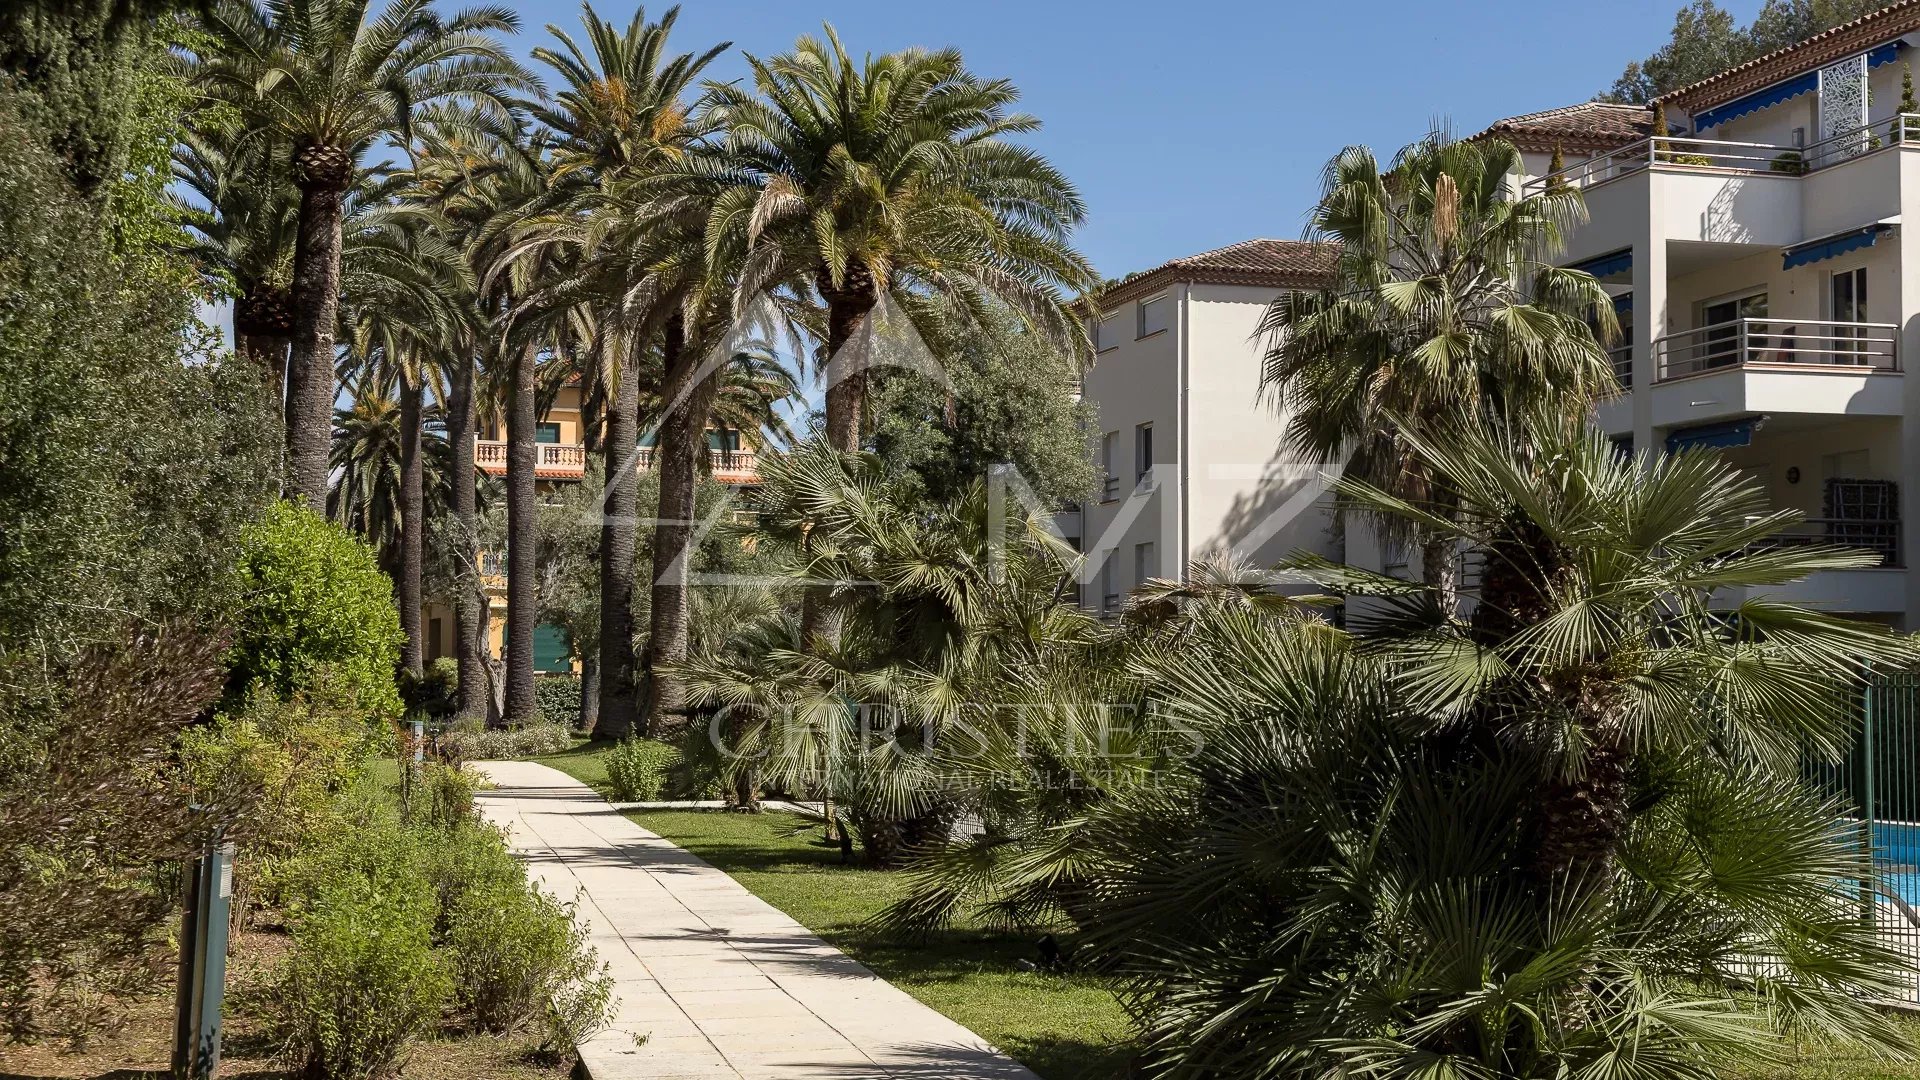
[{"x": 1868, "y": 767}]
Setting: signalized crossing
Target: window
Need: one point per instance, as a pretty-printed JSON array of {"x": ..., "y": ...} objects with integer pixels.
[
  {"x": 1109, "y": 599},
  {"x": 1847, "y": 303},
  {"x": 1153, "y": 316},
  {"x": 546, "y": 433},
  {"x": 723, "y": 440},
  {"x": 1722, "y": 320},
  {"x": 1111, "y": 489},
  {"x": 1144, "y": 568},
  {"x": 1106, "y": 333},
  {"x": 1142, "y": 453}
]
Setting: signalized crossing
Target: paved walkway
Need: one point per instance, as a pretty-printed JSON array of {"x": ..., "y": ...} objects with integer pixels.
[{"x": 714, "y": 982}]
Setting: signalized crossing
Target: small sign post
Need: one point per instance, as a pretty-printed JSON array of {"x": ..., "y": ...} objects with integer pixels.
[{"x": 203, "y": 961}]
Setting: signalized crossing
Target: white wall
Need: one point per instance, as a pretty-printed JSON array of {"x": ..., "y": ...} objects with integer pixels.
[
  {"x": 1245, "y": 492},
  {"x": 1136, "y": 382}
]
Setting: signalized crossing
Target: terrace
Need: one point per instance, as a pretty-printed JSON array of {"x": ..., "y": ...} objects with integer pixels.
[{"x": 1732, "y": 158}]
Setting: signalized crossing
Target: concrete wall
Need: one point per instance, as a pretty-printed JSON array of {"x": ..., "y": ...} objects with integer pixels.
[
  {"x": 1245, "y": 492},
  {"x": 1866, "y": 448}
]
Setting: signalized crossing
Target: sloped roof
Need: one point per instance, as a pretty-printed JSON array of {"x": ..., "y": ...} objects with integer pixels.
[
  {"x": 1586, "y": 127},
  {"x": 1819, "y": 50},
  {"x": 1280, "y": 264}
]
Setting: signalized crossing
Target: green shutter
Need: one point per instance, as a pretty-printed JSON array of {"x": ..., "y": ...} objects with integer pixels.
[{"x": 551, "y": 651}]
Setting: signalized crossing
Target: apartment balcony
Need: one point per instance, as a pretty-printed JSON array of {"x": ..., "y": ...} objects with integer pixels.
[
  {"x": 555, "y": 461},
  {"x": 1720, "y": 156},
  {"x": 1776, "y": 365},
  {"x": 568, "y": 461}
]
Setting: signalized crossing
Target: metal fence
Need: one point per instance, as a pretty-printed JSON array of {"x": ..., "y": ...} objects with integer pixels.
[{"x": 1880, "y": 780}]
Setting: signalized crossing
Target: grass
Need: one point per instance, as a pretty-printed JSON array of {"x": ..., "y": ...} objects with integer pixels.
[
  {"x": 1815, "y": 1060},
  {"x": 1062, "y": 1027},
  {"x": 584, "y": 761}
]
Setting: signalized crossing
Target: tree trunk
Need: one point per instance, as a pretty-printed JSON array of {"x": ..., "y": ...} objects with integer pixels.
[
  {"x": 589, "y": 692},
  {"x": 310, "y": 379},
  {"x": 847, "y": 309},
  {"x": 469, "y": 641},
  {"x": 619, "y": 707},
  {"x": 689, "y": 395},
  {"x": 523, "y": 597},
  {"x": 413, "y": 527}
]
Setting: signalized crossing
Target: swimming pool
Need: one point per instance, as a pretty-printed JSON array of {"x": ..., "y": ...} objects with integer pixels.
[{"x": 1896, "y": 855}]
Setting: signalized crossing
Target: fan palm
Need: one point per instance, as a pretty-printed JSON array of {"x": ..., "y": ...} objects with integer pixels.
[
  {"x": 892, "y": 176},
  {"x": 329, "y": 79},
  {"x": 1625, "y": 613},
  {"x": 1443, "y": 306}
]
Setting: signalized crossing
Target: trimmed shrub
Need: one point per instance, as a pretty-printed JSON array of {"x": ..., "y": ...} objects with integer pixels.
[
  {"x": 435, "y": 692},
  {"x": 499, "y": 744},
  {"x": 514, "y": 949},
  {"x": 637, "y": 769},
  {"x": 558, "y": 697},
  {"x": 314, "y": 599}
]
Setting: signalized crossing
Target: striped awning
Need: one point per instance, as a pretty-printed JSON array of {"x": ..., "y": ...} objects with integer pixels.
[
  {"x": 1713, "y": 436},
  {"x": 1618, "y": 262},
  {"x": 1827, "y": 247},
  {"x": 1770, "y": 96}
]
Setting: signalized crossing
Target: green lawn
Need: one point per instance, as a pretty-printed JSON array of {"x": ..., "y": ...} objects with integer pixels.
[
  {"x": 584, "y": 761},
  {"x": 1064, "y": 1028}
]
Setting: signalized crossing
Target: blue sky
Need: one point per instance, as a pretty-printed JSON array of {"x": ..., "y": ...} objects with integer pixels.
[{"x": 1189, "y": 126}]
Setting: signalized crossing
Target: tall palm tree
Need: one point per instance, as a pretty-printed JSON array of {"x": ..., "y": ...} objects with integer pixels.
[
  {"x": 1445, "y": 304},
  {"x": 893, "y": 176},
  {"x": 621, "y": 112},
  {"x": 329, "y": 80}
]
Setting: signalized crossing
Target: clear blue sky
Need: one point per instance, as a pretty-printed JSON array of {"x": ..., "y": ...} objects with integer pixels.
[{"x": 1192, "y": 125}]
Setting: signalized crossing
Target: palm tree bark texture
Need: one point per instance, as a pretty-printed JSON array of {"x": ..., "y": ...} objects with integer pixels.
[
  {"x": 469, "y": 644},
  {"x": 619, "y": 705},
  {"x": 689, "y": 395},
  {"x": 323, "y": 174},
  {"x": 523, "y": 597},
  {"x": 413, "y": 520}
]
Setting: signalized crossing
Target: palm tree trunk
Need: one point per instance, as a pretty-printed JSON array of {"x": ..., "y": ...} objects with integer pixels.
[
  {"x": 619, "y": 707},
  {"x": 847, "y": 311},
  {"x": 310, "y": 378},
  {"x": 689, "y": 395},
  {"x": 469, "y": 640},
  {"x": 523, "y": 599},
  {"x": 413, "y": 526},
  {"x": 589, "y": 692}
]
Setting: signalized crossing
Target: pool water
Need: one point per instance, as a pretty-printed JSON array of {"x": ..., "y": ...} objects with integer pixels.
[{"x": 1896, "y": 854}]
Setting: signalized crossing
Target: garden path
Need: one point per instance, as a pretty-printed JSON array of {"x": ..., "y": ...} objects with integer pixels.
[{"x": 713, "y": 982}]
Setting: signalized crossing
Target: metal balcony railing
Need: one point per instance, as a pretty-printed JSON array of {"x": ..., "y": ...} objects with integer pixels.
[
  {"x": 1880, "y": 537},
  {"x": 1812, "y": 343},
  {"x": 1721, "y": 155}
]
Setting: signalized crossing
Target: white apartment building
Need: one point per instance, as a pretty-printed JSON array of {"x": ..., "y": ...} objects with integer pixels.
[
  {"x": 1759, "y": 265},
  {"x": 1190, "y": 457}
]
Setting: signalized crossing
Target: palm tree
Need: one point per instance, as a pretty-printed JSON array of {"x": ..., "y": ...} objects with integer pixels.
[
  {"x": 329, "y": 80},
  {"x": 622, "y": 112},
  {"x": 752, "y": 389},
  {"x": 1443, "y": 306},
  {"x": 893, "y": 177}
]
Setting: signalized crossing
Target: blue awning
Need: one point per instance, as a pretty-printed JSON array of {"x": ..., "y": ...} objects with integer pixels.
[
  {"x": 1781, "y": 91},
  {"x": 1623, "y": 303},
  {"x": 1713, "y": 436},
  {"x": 1607, "y": 265},
  {"x": 1827, "y": 247}
]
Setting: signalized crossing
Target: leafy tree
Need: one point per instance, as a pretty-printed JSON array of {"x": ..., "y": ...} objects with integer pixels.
[
  {"x": 1706, "y": 40},
  {"x": 1003, "y": 395},
  {"x": 316, "y": 603},
  {"x": 1445, "y": 305}
]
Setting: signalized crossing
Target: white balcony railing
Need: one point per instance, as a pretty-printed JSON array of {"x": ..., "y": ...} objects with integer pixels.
[
  {"x": 1725, "y": 156},
  {"x": 1798, "y": 342},
  {"x": 552, "y": 459}
]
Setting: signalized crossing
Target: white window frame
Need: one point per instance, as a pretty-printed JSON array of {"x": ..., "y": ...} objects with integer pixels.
[
  {"x": 1144, "y": 562},
  {"x": 1142, "y": 452},
  {"x": 1109, "y": 450},
  {"x": 1106, "y": 333}
]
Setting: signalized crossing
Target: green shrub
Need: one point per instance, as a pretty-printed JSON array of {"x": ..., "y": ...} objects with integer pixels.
[
  {"x": 1788, "y": 162},
  {"x": 558, "y": 697},
  {"x": 500, "y": 744},
  {"x": 514, "y": 951},
  {"x": 442, "y": 797},
  {"x": 472, "y": 858},
  {"x": 314, "y": 599},
  {"x": 363, "y": 979},
  {"x": 637, "y": 769},
  {"x": 1690, "y": 159}
]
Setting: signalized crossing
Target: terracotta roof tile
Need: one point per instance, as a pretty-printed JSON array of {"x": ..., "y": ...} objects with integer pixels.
[
  {"x": 1823, "y": 48},
  {"x": 1588, "y": 126},
  {"x": 1281, "y": 264}
]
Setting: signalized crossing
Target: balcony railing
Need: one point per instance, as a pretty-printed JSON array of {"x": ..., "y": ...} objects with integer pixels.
[
  {"x": 1880, "y": 537},
  {"x": 1811, "y": 343},
  {"x": 554, "y": 460},
  {"x": 1720, "y": 155},
  {"x": 568, "y": 461}
]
